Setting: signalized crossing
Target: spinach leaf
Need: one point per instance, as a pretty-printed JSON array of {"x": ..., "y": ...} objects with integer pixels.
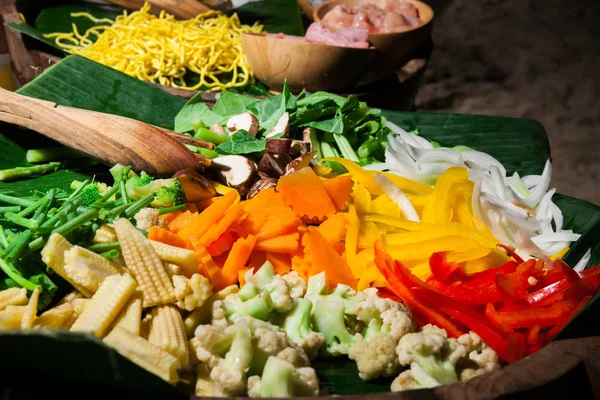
[
  {"x": 333, "y": 125},
  {"x": 320, "y": 98},
  {"x": 241, "y": 143},
  {"x": 195, "y": 109},
  {"x": 230, "y": 104}
]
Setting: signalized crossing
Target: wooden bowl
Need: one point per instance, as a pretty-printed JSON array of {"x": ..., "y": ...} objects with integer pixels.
[
  {"x": 305, "y": 65},
  {"x": 394, "y": 48}
]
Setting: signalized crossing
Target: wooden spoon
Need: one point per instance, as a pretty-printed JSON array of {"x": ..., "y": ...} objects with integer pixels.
[{"x": 108, "y": 138}]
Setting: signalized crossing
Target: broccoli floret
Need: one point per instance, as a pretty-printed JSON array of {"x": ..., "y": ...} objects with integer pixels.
[
  {"x": 297, "y": 325},
  {"x": 282, "y": 379},
  {"x": 167, "y": 192},
  {"x": 329, "y": 313},
  {"x": 168, "y": 196},
  {"x": 91, "y": 192}
]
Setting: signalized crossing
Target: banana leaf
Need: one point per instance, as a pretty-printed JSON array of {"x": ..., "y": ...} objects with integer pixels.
[{"x": 519, "y": 144}]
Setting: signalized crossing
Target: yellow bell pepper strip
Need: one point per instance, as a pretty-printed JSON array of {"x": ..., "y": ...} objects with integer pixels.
[
  {"x": 369, "y": 233},
  {"x": 437, "y": 210},
  {"x": 358, "y": 174},
  {"x": 396, "y": 222},
  {"x": 439, "y": 231},
  {"x": 362, "y": 198},
  {"x": 406, "y": 185},
  {"x": 426, "y": 248}
]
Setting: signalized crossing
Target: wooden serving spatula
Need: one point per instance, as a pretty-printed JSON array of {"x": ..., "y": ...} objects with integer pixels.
[{"x": 108, "y": 138}]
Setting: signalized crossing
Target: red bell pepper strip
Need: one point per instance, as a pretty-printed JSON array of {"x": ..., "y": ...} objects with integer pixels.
[
  {"x": 528, "y": 318},
  {"x": 554, "y": 331},
  {"x": 441, "y": 269},
  {"x": 466, "y": 315},
  {"x": 592, "y": 275},
  {"x": 512, "y": 253},
  {"x": 533, "y": 335},
  {"x": 552, "y": 293},
  {"x": 507, "y": 288},
  {"x": 387, "y": 267},
  {"x": 490, "y": 274}
]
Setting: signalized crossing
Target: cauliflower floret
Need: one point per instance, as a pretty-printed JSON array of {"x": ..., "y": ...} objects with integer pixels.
[
  {"x": 280, "y": 294},
  {"x": 296, "y": 284},
  {"x": 193, "y": 292},
  {"x": 413, "y": 378},
  {"x": 295, "y": 355},
  {"x": 148, "y": 217},
  {"x": 376, "y": 357},
  {"x": 298, "y": 327},
  {"x": 264, "y": 279},
  {"x": 282, "y": 379},
  {"x": 481, "y": 358},
  {"x": 384, "y": 323}
]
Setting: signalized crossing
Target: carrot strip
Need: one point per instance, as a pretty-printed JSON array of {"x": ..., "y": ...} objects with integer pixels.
[
  {"x": 164, "y": 236},
  {"x": 278, "y": 222},
  {"x": 204, "y": 204},
  {"x": 282, "y": 263},
  {"x": 181, "y": 220},
  {"x": 209, "y": 268},
  {"x": 339, "y": 189},
  {"x": 168, "y": 218},
  {"x": 325, "y": 258},
  {"x": 222, "y": 244},
  {"x": 334, "y": 228},
  {"x": 213, "y": 232},
  {"x": 207, "y": 218},
  {"x": 257, "y": 259},
  {"x": 305, "y": 193},
  {"x": 280, "y": 244},
  {"x": 238, "y": 256}
]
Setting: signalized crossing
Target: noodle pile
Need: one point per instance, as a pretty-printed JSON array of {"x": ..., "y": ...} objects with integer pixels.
[{"x": 162, "y": 49}]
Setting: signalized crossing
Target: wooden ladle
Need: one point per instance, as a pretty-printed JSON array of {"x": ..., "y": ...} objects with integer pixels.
[{"x": 108, "y": 138}]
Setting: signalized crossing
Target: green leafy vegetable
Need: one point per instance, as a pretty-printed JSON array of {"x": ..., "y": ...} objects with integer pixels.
[{"x": 241, "y": 142}]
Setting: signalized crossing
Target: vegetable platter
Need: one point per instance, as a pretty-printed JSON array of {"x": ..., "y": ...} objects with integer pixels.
[
  {"x": 41, "y": 34},
  {"x": 325, "y": 247}
]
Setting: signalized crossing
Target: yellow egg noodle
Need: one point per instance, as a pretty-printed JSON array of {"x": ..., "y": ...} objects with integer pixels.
[{"x": 162, "y": 49}]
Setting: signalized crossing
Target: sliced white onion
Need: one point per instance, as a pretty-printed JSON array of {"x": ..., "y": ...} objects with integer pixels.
[
  {"x": 398, "y": 197},
  {"x": 539, "y": 190},
  {"x": 524, "y": 242},
  {"x": 482, "y": 159},
  {"x": 414, "y": 140},
  {"x": 531, "y": 180},
  {"x": 583, "y": 262},
  {"x": 564, "y": 236}
]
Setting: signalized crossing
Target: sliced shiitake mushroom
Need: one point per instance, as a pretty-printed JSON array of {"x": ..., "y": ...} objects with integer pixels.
[
  {"x": 196, "y": 186},
  {"x": 261, "y": 184},
  {"x": 217, "y": 128},
  {"x": 300, "y": 147},
  {"x": 234, "y": 171},
  {"x": 245, "y": 121},
  {"x": 279, "y": 146},
  {"x": 273, "y": 164},
  {"x": 282, "y": 126},
  {"x": 298, "y": 163}
]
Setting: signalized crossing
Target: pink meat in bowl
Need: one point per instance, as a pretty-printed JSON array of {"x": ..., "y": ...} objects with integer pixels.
[{"x": 320, "y": 34}]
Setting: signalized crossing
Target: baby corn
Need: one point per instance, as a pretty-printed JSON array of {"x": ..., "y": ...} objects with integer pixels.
[
  {"x": 30, "y": 311},
  {"x": 87, "y": 268},
  {"x": 53, "y": 256},
  {"x": 13, "y": 297},
  {"x": 144, "y": 264},
  {"x": 172, "y": 269},
  {"x": 186, "y": 259},
  {"x": 140, "y": 351},
  {"x": 11, "y": 316},
  {"x": 105, "y": 234},
  {"x": 167, "y": 332},
  {"x": 105, "y": 305},
  {"x": 59, "y": 317},
  {"x": 131, "y": 316}
]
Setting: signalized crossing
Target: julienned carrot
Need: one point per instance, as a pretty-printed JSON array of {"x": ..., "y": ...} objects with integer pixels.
[
  {"x": 182, "y": 220},
  {"x": 213, "y": 232},
  {"x": 334, "y": 228},
  {"x": 222, "y": 244},
  {"x": 207, "y": 218},
  {"x": 282, "y": 263},
  {"x": 278, "y": 222},
  {"x": 280, "y": 244},
  {"x": 171, "y": 216},
  {"x": 210, "y": 269},
  {"x": 267, "y": 198},
  {"x": 305, "y": 193},
  {"x": 325, "y": 258},
  {"x": 339, "y": 189},
  {"x": 257, "y": 259},
  {"x": 164, "y": 236},
  {"x": 238, "y": 256}
]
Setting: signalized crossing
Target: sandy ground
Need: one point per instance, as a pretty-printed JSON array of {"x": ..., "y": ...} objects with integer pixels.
[{"x": 525, "y": 58}]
